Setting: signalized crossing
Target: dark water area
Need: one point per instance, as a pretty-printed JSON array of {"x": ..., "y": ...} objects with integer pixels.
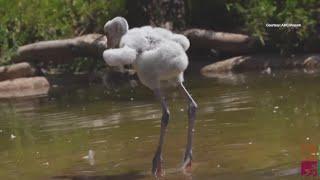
[{"x": 249, "y": 126}]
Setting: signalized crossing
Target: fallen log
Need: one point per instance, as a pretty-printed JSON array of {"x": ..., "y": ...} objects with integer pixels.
[
  {"x": 23, "y": 87},
  {"x": 16, "y": 71},
  {"x": 220, "y": 41},
  {"x": 63, "y": 51},
  {"x": 93, "y": 45},
  {"x": 262, "y": 62}
]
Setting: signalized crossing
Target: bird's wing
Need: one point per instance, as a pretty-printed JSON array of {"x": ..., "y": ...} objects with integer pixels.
[
  {"x": 120, "y": 56},
  {"x": 178, "y": 38}
]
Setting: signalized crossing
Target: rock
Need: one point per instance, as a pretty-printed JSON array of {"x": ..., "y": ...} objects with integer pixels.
[
  {"x": 312, "y": 62},
  {"x": 262, "y": 62},
  {"x": 22, "y": 87},
  {"x": 220, "y": 41},
  {"x": 16, "y": 71}
]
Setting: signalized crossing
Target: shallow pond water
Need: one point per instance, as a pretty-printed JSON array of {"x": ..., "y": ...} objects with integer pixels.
[{"x": 249, "y": 126}]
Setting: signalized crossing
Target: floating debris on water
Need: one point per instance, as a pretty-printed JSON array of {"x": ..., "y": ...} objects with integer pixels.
[
  {"x": 45, "y": 163},
  {"x": 136, "y": 137},
  {"x": 218, "y": 165},
  {"x": 250, "y": 143},
  {"x": 284, "y": 150},
  {"x": 131, "y": 99},
  {"x": 90, "y": 157},
  {"x": 276, "y": 107},
  {"x": 181, "y": 109},
  {"x": 267, "y": 71},
  {"x": 97, "y": 123},
  {"x": 12, "y": 136},
  {"x": 1, "y": 130},
  {"x": 307, "y": 138},
  {"x": 98, "y": 142}
]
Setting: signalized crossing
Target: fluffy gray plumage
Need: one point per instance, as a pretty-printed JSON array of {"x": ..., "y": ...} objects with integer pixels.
[{"x": 156, "y": 54}]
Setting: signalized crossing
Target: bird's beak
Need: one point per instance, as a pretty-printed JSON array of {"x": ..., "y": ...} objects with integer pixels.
[{"x": 109, "y": 44}]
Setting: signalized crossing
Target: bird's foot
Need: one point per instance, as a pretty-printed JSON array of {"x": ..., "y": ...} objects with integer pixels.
[
  {"x": 157, "y": 169},
  {"x": 187, "y": 163}
]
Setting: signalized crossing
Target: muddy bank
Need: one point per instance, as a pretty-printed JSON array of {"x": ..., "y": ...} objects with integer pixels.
[{"x": 263, "y": 62}]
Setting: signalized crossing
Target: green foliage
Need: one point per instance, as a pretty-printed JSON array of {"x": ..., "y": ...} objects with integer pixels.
[
  {"x": 257, "y": 13},
  {"x": 211, "y": 14},
  {"x": 26, "y": 21}
]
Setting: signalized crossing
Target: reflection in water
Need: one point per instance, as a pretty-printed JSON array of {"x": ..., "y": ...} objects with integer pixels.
[
  {"x": 249, "y": 129},
  {"x": 234, "y": 101},
  {"x": 130, "y": 175},
  {"x": 227, "y": 78}
]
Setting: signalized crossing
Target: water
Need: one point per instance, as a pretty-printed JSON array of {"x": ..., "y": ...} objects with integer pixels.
[{"x": 249, "y": 126}]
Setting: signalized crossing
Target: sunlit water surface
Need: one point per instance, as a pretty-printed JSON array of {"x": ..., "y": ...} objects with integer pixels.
[{"x": 249, "y": 126}]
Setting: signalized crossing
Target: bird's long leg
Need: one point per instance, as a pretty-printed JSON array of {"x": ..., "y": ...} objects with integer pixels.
[
  {"x": 192, "y": 116},
  {"x": 157, "y": 160}
]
